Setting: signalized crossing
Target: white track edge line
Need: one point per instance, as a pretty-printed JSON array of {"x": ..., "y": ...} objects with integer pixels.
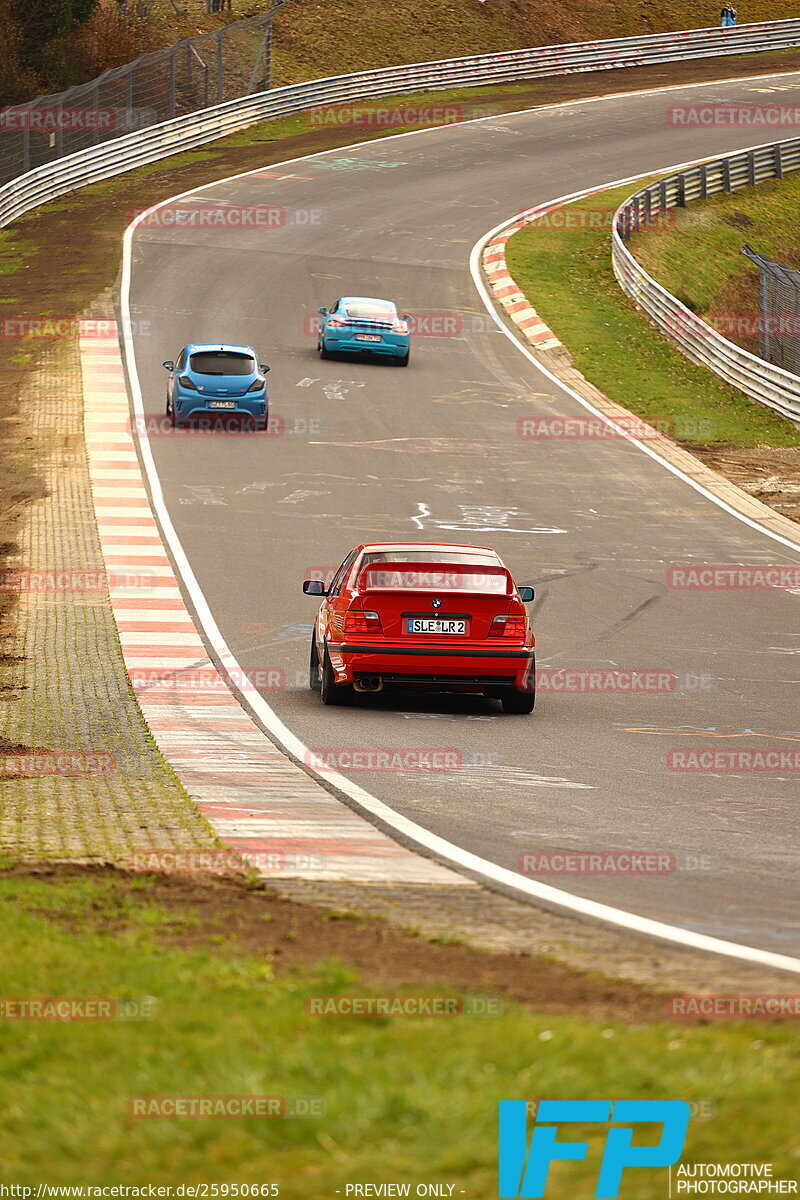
[{"x": 362, "y": 800}]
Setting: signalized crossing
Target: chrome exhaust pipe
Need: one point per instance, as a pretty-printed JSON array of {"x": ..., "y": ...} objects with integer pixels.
[{"x": 368, "y": 683}]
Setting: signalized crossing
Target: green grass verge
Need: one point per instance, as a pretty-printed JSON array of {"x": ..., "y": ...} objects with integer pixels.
[
  {"x": 12, "y": 255},
  {"x": 700, "y": 259},
  {"x": 406, "y": 1099},
  {"x": 564, "y": 267}
]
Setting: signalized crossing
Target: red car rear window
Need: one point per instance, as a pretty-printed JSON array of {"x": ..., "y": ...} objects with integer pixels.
[{"x": 492, "y": 581}]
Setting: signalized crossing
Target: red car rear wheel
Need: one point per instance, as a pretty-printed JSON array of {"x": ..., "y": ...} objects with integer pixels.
[
  {"x": 333, "y": 692},
  {"x": 515, "y": 701},
  {"x": 313, "y": 667}
]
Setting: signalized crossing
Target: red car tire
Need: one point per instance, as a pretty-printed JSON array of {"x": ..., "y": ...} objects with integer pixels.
[{"x": 333, "y": 693}]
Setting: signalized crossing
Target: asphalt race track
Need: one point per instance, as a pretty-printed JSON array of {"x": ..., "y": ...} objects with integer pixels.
[{"x": 374, "y": 452}]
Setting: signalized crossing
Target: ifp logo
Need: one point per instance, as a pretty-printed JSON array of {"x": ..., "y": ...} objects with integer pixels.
[{"x": 524, "y": 1169}]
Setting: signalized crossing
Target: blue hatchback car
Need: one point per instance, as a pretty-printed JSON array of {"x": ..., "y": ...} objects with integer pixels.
[
  {"x": 212, "y": 380},
  {"x": 362, "y": 325}
]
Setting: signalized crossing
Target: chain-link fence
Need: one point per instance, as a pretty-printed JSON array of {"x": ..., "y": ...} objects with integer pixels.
[
  {"x": 197, "y": 72},
  {"x": 779, "y": 312},
  {"x": 184, "y": 7}
]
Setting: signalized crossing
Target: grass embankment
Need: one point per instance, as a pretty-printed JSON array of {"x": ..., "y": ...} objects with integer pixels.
[
  {"x": 314, "y": 39},
  {"x": 406, "y": 1099},
  {"x": 700, "y": 259},
  {"x": 563, "y": 264}
]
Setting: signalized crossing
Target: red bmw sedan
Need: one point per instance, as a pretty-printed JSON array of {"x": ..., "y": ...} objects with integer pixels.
[{"x": 444, "y": 618}]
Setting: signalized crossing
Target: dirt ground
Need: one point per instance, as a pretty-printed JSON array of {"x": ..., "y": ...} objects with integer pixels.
[
  {"x": 771, "y": 474},
  {"x": 293, "y": 935}
]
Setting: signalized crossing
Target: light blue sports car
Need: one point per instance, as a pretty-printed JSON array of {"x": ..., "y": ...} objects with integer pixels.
[
  {"x": 211, "y": 380},
  {"x": 362, "y": 325}
]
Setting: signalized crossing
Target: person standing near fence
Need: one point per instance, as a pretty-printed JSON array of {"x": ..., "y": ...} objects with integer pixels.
[{"x": 728, "y": 15}]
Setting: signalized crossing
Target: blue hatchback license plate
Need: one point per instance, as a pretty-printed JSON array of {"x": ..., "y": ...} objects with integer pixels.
[
  {"x": 222, "y": 404},
  {"x": 368, "y": 337}
]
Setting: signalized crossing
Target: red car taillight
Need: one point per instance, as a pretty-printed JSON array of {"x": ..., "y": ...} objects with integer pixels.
[
  {"x": 335, "y": 323},
  {"x": 400, "y": 326},
  {"x": 508, "y": 627},
  {"x": 362, "y": 622}
]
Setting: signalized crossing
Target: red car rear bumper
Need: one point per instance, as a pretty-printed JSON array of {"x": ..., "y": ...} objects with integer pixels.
[{"x": 477, "y": 666}]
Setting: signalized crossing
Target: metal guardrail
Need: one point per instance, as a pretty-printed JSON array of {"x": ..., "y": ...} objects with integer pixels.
[
  {"x": 145, "y": 145},
  {"x": 768, "y": 384}
]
